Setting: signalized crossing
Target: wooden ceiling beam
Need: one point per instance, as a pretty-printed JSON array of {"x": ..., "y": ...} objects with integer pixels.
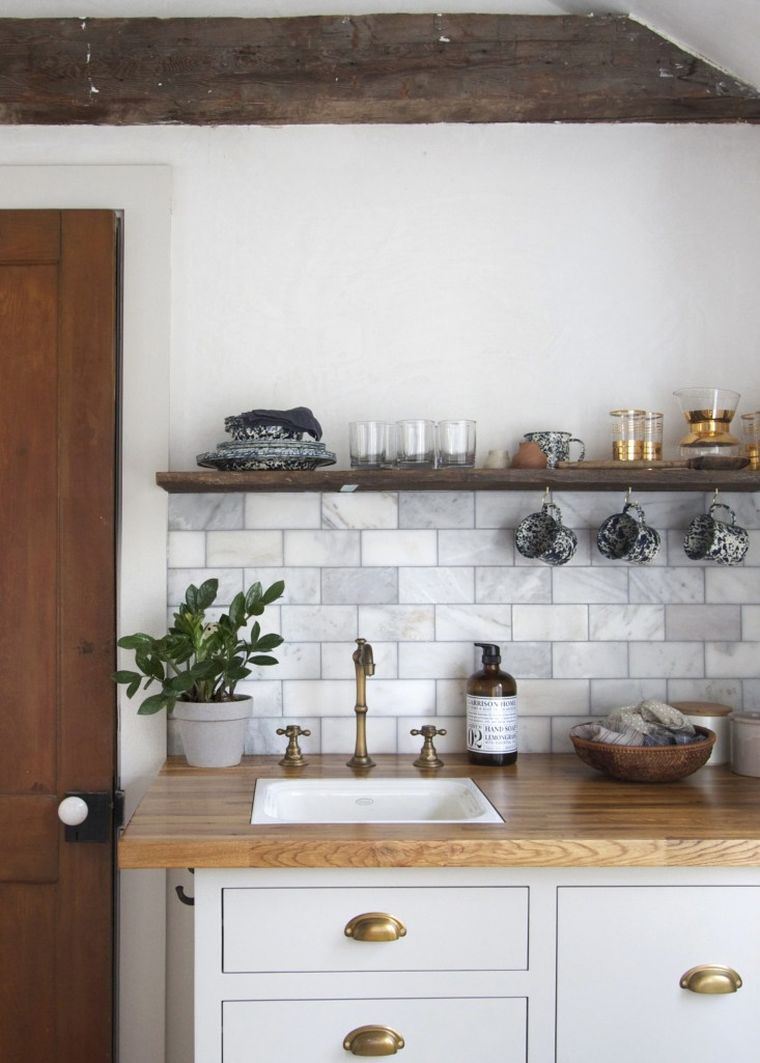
[{"x": 356, "y": 69}]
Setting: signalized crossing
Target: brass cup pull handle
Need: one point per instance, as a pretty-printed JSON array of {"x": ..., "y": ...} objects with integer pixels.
[
  {"x": 711, "y": 978},
  {"x": 373, "y": 1041},
  {"x": 374, "y": 926}
]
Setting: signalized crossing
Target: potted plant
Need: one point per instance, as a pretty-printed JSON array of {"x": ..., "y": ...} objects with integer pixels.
[{"x": 197, "y": 664}]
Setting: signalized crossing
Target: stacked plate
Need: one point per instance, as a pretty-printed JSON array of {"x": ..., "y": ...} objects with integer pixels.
[{"x": 267, "y": 453}]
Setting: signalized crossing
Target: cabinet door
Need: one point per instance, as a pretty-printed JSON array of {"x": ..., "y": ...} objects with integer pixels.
[
  {"x": 443, "y": 1030},
  {"x": 444, "y": 928},
  {"x": 621, "y": 954}
]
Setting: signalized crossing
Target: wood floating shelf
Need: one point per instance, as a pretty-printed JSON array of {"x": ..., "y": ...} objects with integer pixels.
[
  {"x": 578, "y": 479},
  {"x": 342, "y": 69}
]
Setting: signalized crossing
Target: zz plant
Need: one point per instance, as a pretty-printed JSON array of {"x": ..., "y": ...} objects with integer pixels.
[{"x": 197, "y": 660}]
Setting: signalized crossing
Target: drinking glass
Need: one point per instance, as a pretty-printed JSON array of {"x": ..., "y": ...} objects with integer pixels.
[
  {"x": 415, "y": 443},
  {"x": 751, "y": 425},
  {"x": 371, "y": 444},
  {"x": 627, "y": 434},
  {"x": 456, "y": 443}
]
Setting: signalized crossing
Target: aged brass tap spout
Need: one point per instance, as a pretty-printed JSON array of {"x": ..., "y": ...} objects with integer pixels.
[{"x": 364, "y": 664}]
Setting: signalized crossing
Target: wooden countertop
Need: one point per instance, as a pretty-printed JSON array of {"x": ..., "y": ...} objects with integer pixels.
[{"x": 557, "y": 811}]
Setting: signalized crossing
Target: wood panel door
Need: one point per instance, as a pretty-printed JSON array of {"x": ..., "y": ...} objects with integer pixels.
[{"x": 57, "y": 627}]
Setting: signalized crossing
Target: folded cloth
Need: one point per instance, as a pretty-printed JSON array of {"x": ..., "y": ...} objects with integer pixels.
[
  {"x": 299, "y": 419},
  {"x": 650, "y": 723}
]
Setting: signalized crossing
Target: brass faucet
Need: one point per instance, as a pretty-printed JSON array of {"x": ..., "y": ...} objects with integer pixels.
[{"x": 364, "y": 664}]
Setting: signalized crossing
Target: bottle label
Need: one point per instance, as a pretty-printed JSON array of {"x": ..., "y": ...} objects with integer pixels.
[{"x": 491, "y": 724}]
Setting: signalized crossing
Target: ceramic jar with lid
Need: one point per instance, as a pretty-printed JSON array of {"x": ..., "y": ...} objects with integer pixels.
[
  {"x": 717, "y": 718},
  {"x": 745, "y": 743}
]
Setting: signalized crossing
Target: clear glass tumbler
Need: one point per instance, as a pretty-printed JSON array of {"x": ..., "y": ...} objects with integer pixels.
[
  {"x": 371, "y": 444},
  {"x": 751, "y": 429},
  {"x": 456, "y": 443},
  {"x": 627, "y": 434},
  {"x": 652, "y": 434},
  {"x": 415, "y": 443}
]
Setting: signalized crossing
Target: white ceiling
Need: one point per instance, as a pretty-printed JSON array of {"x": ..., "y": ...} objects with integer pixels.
[{"x": 725, "y": 32}]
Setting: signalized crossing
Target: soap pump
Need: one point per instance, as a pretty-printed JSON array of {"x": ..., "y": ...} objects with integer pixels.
[{"x": 491, "y": 712}]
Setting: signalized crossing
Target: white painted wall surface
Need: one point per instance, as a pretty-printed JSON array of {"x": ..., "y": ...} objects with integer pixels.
[{"x": 528, "y": 276}]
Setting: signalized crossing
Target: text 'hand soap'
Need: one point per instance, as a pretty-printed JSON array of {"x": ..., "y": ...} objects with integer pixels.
[{"x": 491, "y": 712}]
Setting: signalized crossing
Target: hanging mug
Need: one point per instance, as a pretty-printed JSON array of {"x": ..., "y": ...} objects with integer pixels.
[
  {"x": 710, "y": 539},
  {"x": 543, "y": 536},
  {"x": 626, "y": 536}
]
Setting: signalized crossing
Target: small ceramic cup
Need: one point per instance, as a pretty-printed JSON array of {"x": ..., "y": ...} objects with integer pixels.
[
  {"x": 556, "y": 445},
  {"x": 543, "y": 536},
  {"x": 711, "y": 539},
  {"x": 626, "y": 536}
]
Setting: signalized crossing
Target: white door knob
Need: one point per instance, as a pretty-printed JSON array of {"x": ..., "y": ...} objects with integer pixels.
[{"x": 72, "y": 811}]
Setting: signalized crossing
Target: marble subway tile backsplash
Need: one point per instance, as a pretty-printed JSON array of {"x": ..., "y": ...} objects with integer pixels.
[{"x": 423, "y": 575}]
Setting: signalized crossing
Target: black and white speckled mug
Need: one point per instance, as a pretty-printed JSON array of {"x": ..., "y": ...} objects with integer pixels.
[
  {"x": 543, "y": 536},
  {"x": 626, "y": 536},
  {"x": 556, "y": 445},
  {"x": 710, "y": 539}
]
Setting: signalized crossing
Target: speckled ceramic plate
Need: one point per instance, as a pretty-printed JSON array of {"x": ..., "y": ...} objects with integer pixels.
[{"x": 281, "y": 454}]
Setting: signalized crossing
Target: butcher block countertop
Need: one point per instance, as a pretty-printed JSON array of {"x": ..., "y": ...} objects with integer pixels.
[{"x": 557, "y": 811}]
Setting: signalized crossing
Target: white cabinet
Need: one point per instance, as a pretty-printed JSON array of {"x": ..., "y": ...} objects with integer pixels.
[
  {"x": 475, "y": 964},
  {"x": 621, "y": 953}
]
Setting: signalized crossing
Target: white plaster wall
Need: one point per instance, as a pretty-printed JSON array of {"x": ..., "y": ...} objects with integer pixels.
[{"x": 527, "y": 276}]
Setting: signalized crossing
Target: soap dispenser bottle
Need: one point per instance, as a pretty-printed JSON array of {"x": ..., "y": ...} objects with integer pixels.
[{"x": 491, "y": 712}]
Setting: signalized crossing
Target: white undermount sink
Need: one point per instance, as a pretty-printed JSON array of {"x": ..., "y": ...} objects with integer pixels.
[{"x": 362, "y": 800}]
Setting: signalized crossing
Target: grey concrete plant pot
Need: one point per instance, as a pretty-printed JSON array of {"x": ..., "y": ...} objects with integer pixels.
[{"x": 213, "y": 732}]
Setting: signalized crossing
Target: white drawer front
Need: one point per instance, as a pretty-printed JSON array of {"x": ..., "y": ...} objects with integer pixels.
[
  {"x": 446, "y": 1030},
  {"x": 447, "y": 929},
  {"x": 622, "y": 951}
]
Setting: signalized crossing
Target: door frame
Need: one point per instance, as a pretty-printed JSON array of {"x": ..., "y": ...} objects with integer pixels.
[{"x": 143, "y": 194}]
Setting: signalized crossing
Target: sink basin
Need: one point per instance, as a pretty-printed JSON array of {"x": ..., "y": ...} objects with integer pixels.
[{"x": 360, "y": 800}]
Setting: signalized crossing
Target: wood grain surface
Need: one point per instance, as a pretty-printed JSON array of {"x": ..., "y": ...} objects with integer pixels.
[
  {"x": 360, "y": 68},
  {"x": 557, "y": 812},
  {"x": 575, "y": 479}
]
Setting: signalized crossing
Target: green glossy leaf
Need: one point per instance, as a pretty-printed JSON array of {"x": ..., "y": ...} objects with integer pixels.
[
  {"x": 136, "y": 641},
  {"x": 191, "y": 597},
  {"x": 271, "y": 594},
  {"x": 152, "y": 705},
  {"x": 252, "y": 596},
  {"x": 237, "y": 610},
  {"x": 264, "y": 660},
  {"x": 207, "y": 593},
  {"x": 269, "y": 642},
  {"x": 126, "y": 677}
]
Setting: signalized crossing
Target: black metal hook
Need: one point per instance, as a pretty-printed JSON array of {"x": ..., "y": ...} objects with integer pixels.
[{"x": 180, "y": 891}]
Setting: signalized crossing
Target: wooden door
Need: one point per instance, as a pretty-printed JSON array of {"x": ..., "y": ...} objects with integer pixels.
[{"x": 57, "y": 624}]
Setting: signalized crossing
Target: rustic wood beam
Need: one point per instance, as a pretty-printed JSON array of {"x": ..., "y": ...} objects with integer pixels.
[{"x": 369, "y": 68}]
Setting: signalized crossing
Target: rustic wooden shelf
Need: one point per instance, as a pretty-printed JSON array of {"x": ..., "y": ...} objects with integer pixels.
[{"x": 199, "y": 481}]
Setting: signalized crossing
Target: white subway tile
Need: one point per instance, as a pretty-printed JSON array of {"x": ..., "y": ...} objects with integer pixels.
[
  {"x": 476, "y": 547},
  {"x": 297, "y": 660},
  {"x": 339, "y": 735},
  {"x": 318, "y": 697},
  {"x": 195, "y": 512},
  {"x": 282, "y": 509},
  {"x": 667, "y": 585},
  {"x": 401, "y": 697},
  {"x": 244, "y": 548},
  {"x": 364, "y": 509},
  {"x": 732, "y": 660},
  {"x": 179, "y": 579},
  {"x": 657, "y": 660},
  {"x": 319, "y": 623},
  {"x": 266, "y": 694},
  {"x": 186, "y": 549},
  {"x": 550, "y": 623},
  {"x": 701, "y": 622},
  {"x": 671, "y": 509},
  {"x": 738, "y": 585},
  {"x": 746, "y": 506},
  {"x": 262, "y": 738},
  {"x": 397, "y": 622},
  {"x": 399, "y": 548},
  {"x": 585, "y": 509},
  {"x": 534, "y": 734},
  {"x": 486, "y": 623},
  {"x": 301, "y": 584},
  {"x": 360, "y": 586},
  {"x": 450, "y": 697},
  {"x": 453, "y": 741},
  {"x": 609, "y": 694},
  {"x": 435, "y": 660},
  {"x": 503, "y": 509},
  {"x": 438, "y": 585},
  {"x": 513, "y": 584},
  {"x": 589, "y": 660},
  {"x": 626, "y": 622},
  {"x": 337, "y": 660},
  {"x": 750, "y": 624},
  {"x": 436, "y": 509},
  {"x": 719, "y": 691},
  {"x": 590, "y": 585},
  {"x": 322, "y": 548},
  {"x": 526, "y": 660},
  {"x": 552, "y": 697}
]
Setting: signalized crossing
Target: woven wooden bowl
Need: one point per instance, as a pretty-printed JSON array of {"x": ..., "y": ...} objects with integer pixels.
[{"x": 646, "y": 763}]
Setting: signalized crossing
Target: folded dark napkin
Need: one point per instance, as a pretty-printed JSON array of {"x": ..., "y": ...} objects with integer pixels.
[{"x": 299, "y": 419}]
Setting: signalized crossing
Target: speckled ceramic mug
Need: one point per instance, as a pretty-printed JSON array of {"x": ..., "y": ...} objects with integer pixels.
[
  {"x": 710, "y": 539},
  {"x": 544, "y": 537},
  {"x": 626, "y": 536},
  {"x": 556, "y": 445}
]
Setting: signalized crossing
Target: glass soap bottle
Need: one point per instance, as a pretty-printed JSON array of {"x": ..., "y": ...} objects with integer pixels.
[{"x": 491, "y": 712}]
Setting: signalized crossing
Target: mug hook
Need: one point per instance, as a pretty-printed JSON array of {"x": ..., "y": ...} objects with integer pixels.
[
  {"x": 628, "y": 495},
  {"x": 716, "y": 492},
  {"x": 547, "y": 495}
]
